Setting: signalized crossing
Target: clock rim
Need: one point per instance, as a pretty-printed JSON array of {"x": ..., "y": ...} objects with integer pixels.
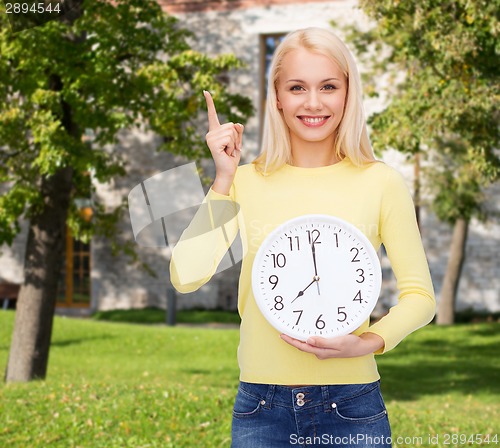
[{"x": 311, "y": 217}]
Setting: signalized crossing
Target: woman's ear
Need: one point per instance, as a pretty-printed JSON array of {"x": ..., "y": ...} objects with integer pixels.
[{"x": 278, "y": 103}]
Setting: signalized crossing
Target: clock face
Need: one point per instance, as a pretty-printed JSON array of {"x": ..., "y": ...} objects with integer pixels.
[{"x": 316, "y": 275}]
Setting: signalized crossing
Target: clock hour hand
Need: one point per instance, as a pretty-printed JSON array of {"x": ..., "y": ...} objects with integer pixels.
[{"x": 301, "y": 293}]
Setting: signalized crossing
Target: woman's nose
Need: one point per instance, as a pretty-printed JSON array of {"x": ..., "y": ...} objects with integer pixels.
[{"x": 313, "y": 101}]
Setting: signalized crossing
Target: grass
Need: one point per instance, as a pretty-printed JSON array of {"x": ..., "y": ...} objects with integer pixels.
[
  {"x": 158, "y": 316},
  {"x": 122, "y": 385}
]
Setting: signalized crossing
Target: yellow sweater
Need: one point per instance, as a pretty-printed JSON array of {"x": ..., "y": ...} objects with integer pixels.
[{"x": 374, "y": 198}]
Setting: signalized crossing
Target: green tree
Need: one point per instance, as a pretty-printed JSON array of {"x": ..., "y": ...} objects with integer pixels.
[
  {"x": 111, "y": 66},
  {"x": 440, "y": 62}
]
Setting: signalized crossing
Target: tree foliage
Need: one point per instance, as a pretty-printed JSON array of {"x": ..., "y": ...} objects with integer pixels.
[
  {"x": 120, "y": 64},
  {"x": 439, "y": 60},
  {"x": 445, "y": 104}
]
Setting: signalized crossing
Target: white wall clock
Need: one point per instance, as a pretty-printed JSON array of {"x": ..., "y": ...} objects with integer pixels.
[{"x": 316, "y": 275}]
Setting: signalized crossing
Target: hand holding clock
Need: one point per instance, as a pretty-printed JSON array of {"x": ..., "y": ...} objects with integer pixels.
[{"x": 348, "y": 346}]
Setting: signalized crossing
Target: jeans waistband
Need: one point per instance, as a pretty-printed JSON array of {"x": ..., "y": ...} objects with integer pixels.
[{"x": 305, "y": 397}]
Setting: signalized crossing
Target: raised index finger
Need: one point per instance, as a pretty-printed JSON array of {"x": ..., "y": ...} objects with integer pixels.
[{"x": 213, "y": 120}]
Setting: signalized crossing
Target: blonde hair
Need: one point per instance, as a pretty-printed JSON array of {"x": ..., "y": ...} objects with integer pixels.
[{"x": 351, "y": 138}]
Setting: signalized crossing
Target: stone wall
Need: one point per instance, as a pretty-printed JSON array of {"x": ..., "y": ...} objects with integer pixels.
[
  {"x": 12, "y": 258},
  {"x": 479, "y": 286},
  {"x": 239, "y": 30},
  {"x": 117, "y": 284}
]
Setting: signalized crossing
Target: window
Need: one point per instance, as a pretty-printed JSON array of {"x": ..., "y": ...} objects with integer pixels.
[
  {"x": 74, "y": 281},
  {"x": 268, "y": 44}
]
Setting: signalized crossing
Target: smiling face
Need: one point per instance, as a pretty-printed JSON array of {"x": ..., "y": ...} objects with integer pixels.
[{"x": 311, "y": 93}]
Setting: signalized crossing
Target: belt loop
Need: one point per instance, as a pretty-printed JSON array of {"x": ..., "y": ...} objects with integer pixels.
[
  {"x": 270, "y": 396},
  {"x": 326, "y": 398}
]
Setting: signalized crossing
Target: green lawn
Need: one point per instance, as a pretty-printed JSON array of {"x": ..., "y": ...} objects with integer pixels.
[
  {"x": 128, "y": 385},
  {"x": 158, "y": 316}
]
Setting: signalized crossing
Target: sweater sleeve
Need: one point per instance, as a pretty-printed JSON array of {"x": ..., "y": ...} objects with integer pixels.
[
  {"x": 401, "y": 237},
  {"x": 205, "y": 241}
]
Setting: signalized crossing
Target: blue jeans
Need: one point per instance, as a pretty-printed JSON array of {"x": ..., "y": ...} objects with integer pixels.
[{"x": 347, "y": 416}]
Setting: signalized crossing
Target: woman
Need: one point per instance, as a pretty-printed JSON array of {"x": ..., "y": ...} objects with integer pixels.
[{"x": 316, "y": 158}]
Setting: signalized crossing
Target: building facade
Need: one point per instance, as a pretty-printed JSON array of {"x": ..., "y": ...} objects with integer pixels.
[{"x": 94, "y": 279}]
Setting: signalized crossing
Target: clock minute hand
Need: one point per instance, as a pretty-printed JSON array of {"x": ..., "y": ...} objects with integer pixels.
[
  {"x": 313, "y": 247},
  {"x": 314, "y": 260},
  {"x": 301, "y": 293}
]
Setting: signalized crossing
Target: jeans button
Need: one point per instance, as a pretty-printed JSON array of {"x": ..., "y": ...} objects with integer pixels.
[{"x": 300, "y": 399}]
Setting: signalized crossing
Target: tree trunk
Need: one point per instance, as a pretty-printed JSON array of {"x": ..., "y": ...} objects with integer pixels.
[
  {"x": 29, "y": 350},
  {"x": 416, "y": 188},
  {"x": 446, "y": 308}
]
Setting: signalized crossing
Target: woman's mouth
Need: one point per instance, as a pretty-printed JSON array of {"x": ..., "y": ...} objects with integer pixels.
[{"x": 313, "y": 121}]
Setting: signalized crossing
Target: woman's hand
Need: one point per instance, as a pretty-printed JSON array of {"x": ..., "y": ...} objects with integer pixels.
[
  {"x": 224, "y": 142},
  {"x": 348, "y": 346}
]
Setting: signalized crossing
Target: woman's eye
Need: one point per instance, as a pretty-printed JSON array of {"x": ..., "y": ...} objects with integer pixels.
[
  {"x": 296, "y": 87},
  {"x": 330, "y": 87}
]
